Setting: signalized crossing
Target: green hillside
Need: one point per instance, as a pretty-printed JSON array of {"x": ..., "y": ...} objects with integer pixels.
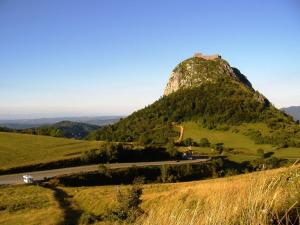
[
  {"x": 243, "y": 147},
  {"x": 214, "y": 105},
  {"x": 23, "y": 149}
]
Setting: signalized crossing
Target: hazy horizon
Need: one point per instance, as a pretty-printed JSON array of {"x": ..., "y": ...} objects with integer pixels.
[
  {"x": 115, "y": 57},
  {"x": 33, "y": 116}
]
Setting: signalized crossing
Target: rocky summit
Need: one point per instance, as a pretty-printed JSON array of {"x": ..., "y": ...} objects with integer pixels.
[{"x": 201, "y": 69}]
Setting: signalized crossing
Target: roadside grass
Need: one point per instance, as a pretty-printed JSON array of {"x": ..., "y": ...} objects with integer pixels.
[
  {"x": 95, "y": 200},
  {"x": 25, "y": 149},
  {"x": 28, "y": 205},
  {"x": 234, "y": 138},
  {"x": 259, "y": 198},
  {"x": 268, "y": 197}
]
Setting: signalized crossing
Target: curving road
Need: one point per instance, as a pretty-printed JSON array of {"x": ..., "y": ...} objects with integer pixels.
[{"x": 39, "y": 175}]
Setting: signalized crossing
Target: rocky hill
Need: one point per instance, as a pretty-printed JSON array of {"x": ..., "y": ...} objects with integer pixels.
[
  {"x": 206, "y": 90},
  {"x": 200, "y": 70}
]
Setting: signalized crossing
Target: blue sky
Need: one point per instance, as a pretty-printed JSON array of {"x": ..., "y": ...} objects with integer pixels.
[{"x": 85, "y": 57}]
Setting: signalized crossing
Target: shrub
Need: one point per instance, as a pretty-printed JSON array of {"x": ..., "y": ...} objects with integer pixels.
[
  {"x": 171, "y": 150},
  {"x": 167, "y": 174},
  {"x": 87, "y": 218},
  {"x": 128, "y": 205},
  {"x": 204, "y": 142},
  {"x": 91, "y": 156},
  {"x": 219, "y": 147}
]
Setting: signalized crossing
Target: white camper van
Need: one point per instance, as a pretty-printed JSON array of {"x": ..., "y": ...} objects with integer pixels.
[{"x": 28, "y": 179}]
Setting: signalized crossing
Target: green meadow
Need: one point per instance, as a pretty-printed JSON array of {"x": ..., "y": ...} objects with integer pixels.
[
  {"x": 244, "y": 147},
  {"x": 24, "y": 149}
]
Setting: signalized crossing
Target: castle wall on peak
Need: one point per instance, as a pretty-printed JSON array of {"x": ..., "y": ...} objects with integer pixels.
[{"x": 207, "y": 57}]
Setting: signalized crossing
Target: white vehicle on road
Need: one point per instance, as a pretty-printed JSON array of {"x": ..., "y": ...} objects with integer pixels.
[{"x": 28, "y": 179}]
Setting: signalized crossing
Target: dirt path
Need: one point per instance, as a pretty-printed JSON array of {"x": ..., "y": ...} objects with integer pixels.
[
  {"x": 71, "y": 214},
  {"x": 181, "y": 133}
]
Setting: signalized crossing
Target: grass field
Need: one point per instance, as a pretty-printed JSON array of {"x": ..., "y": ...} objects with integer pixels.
[
  {"x": 244, "y": 145},
  {"x": 24, "y": 149},
  {"x": 28, "y": 205},
  {"x": 259, "y": 198}
]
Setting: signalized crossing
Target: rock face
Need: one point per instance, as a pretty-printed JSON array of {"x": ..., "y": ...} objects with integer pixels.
[{"x": 200, "y": 69}]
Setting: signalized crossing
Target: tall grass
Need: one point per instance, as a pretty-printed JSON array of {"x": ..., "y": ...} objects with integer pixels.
[
  {"x": 28, "y": 204},
  {"x": 270, "y": 197}
]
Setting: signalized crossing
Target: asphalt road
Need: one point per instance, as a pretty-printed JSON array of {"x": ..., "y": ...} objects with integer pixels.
[{"x": 39, "y": 175}]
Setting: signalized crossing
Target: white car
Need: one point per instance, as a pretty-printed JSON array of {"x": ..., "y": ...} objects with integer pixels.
[{"x": 28, "y": 179}]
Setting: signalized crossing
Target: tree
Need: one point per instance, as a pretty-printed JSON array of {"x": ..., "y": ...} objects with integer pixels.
[
  {"x": 219, "y": 147},
  {"x": 204, "y": 142},
  {"x": 261, "y": 153},
  {"x": 144, "y": 140},
  {"x": 171, "y": 149},
  {"x": 167, "y": 174},
  {"x": 111, "y": 151},
  {"x": 90, "y": 156},
  {"x": 187, "y": 142},
  {"x": 128, "y": 205}
]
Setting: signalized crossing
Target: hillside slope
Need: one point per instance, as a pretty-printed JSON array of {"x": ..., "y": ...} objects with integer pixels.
[
  {"x": 24, "y": 149},
  {"x": 259, "y": 198},
  {"x": 212, "y": 94},
  {"x": 207, "y": 202}
]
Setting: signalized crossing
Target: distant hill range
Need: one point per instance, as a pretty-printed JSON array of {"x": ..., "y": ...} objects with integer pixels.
[
  {"x": 33, "y": 123},
  {"x": 294, "y": 111},
  {"x": 67, "y": 129}
]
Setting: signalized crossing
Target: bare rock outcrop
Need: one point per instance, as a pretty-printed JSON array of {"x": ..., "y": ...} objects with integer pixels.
[{"x": 200, "y": 69}]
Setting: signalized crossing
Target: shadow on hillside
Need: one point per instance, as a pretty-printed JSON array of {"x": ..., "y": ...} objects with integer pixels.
[
  {"x": 71, "y": 216},
  {"x": 268, "y": 154}
]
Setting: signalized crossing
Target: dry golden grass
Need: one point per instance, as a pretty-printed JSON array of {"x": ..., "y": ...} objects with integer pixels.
[
  {"x": 254, "y": 198},
  {"x": 270, "y": 197},
  {"x": 25, "y": 204}
]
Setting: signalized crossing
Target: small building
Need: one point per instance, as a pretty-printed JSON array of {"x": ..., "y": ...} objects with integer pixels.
[
  {"x": 28, "y": 179},
  {"x": 207, "y": 57}
]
